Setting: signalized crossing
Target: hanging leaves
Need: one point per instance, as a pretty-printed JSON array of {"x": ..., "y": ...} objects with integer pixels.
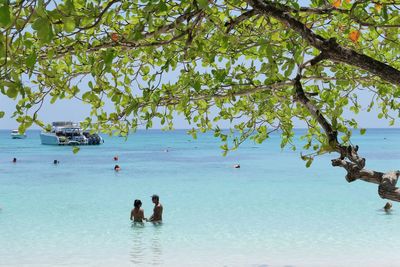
[{"x": 137, "y": 64}]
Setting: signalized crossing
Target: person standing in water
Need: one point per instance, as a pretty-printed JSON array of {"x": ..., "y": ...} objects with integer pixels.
[
  {"x": 387, "y": 207},
  {"x": 158, "y": 209},
  {"x": 137, "y": 213}
]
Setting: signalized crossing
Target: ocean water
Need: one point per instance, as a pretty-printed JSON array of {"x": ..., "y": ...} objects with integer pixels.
[{"x": 271, "y": 212}]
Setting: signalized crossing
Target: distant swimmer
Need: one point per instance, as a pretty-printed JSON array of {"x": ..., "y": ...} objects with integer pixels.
[
  {"x": 14, "y": 160},
  {"x": 55, "y": 162},
  {"x": 115, "y": 158},
  {"x": 236, "y": 166},
  {"x": 117, "y": 168},
  {"x": 137, "y": 213},
  {"x": 158, "y": 209},
  {"x": 387, "y": 207}
]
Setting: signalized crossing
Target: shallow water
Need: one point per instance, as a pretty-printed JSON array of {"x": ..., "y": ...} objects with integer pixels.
[{"x": 270, "y": 212}]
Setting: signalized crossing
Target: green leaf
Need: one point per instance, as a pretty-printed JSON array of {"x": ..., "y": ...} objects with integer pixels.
[
  {"x": 2, "y": 113},
  {"x": 75, "y": 149},
  {"x": 12, "y": 92},
  {"x": 5, "y": 17},
  {"x": 309, "y": 162},
  {"x": 202, "y": 3},
  {"x": 31, "y": 60},
  {"x": 69, "y": 24},
  {"x": 108, "y": 58},
  {"x": 362, "y": 131},
  {"x": 43, "y": 29},
  {"x": 41, "y": 9}
]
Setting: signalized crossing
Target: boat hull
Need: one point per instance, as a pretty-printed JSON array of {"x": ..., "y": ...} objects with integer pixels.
[
  {"x": 18, "y": 136},
  {"x": 49, "y": 139},
  {"x": 53, "y": 139}
]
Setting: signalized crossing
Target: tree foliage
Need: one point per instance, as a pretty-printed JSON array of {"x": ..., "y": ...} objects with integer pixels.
[{"x": 258, "y": 64}]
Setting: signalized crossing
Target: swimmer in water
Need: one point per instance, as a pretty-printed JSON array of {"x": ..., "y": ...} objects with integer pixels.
[
  {"x": 115, "y": 158},
  {"x": 387, "y": 207},
  {"x": 236, "y": 166},
  {"x": 158, "y": 209},
  {"x": 14, "y": 160},
  {"x": 137, "y": 213},
  {"x": 117, "y": 168},
  {"x": 55, "y": 162}
]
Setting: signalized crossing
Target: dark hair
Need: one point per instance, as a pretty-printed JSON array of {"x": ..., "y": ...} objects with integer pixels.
[
  {"x": 137, "y": 203},
  {"x": 155, "y": 197}
]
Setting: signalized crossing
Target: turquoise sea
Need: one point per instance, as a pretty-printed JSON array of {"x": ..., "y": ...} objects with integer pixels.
[{"x": 271, "y": 212}]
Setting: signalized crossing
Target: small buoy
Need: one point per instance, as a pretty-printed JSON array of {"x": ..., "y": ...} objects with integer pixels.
[{"x": 236, "y": 166}]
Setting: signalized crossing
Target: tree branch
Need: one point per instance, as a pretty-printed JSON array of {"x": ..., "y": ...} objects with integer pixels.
[
  {"x": 329, "y": 47},
  {"x": 233, "y": 22},
  {"x": 355, "y": 166}
]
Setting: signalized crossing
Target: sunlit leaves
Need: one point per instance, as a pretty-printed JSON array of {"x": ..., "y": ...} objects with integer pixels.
[{"x": 69, "y": 24}]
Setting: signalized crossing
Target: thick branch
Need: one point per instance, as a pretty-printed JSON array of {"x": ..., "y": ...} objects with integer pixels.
[
  {"x": 355, "y": 167},
  {"x": 330, "y": 48},
  {"x": 345, "y": 151},
  {"x": 301, "y": 97},
  {"x": 354, "y": 172}
]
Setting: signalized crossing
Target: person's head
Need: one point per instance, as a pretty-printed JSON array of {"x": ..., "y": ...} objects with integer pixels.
[
  {"x": 388, "y": 206},
  {"x": 117, "y": 168},
  {"x": 14, "y": 159},
  {"x": 137, "y": 204},
  {"x": 155, "y": 199}
]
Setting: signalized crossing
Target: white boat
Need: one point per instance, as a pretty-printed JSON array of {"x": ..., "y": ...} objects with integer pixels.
[
  {"x": 69, "y": 133},
  {"x": 16, "y": 135}
]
